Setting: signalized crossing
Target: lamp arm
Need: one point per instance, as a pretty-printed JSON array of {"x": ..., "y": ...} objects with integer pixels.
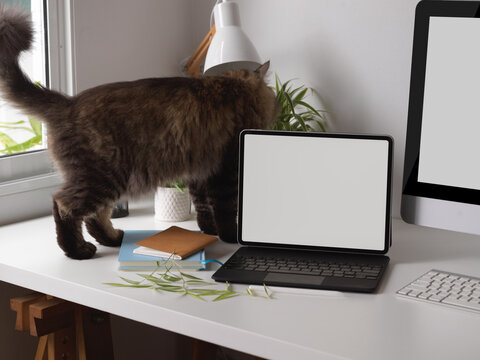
[{"x": 192, "y": 67}]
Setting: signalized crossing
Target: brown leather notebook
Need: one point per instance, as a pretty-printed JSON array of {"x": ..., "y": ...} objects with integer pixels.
[{"x": 178, "y": 241}]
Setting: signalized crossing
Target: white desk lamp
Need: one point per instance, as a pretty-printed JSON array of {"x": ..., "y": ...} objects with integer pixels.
[{"x": 228, "y": 46}]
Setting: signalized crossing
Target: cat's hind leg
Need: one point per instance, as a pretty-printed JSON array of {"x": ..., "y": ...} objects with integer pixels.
[
  {"x": 73, "y": 204},
  {"x": 69, "y": 231},
  {"x": 101, "y": 228}
]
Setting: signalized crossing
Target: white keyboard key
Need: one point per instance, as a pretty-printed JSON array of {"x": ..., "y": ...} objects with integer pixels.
[
  {"x": 436, "y": 298},
  {"x": 403, "y": 291},
  {"x": 432, "y": 273},
  {"x": 414, "y": 293},
  {"x": 423, "y": 296}
]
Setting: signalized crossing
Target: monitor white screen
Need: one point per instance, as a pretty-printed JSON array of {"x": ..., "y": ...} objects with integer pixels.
[
  {"x": 315, "y": 191},
  {"x": 441, "y": 178},
  {"x": 449, "y": 144}
]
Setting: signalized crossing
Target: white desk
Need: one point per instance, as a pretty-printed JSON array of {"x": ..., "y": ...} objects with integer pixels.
[{"x": 354, "y": 326}]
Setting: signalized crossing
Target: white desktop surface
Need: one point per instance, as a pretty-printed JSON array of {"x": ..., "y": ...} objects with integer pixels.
[{"x": 351, "y": 326}]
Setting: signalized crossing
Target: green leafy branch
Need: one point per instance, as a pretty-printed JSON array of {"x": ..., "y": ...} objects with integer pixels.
[
  {"x": 295, "y": 113},
  {"x": 185, "y": 284}
]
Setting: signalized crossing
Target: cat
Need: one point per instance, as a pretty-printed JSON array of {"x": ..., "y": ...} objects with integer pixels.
[{"x": 127, "y": 138}]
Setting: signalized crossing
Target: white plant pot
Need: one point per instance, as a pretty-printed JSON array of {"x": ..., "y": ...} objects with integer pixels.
[{"x": 171, "y": 204}]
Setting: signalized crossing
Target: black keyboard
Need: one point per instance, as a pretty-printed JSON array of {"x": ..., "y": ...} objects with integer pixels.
[{"x": 304, "y": 266}]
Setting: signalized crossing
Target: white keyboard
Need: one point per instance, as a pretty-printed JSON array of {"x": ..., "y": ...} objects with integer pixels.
[{"x": 441, "y": 287}]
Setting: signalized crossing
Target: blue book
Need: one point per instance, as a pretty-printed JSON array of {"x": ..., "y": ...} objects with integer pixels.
[{"x": 128, "y": 260}]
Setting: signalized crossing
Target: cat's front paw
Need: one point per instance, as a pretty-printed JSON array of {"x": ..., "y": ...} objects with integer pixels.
[
  {"x": 82, "y": 252},
  {"x": 105, "y": 235},
  {"x": 228, "y": 235},
  {"x": 206, "y": 224},
  {"x": 112, "y": 241}
]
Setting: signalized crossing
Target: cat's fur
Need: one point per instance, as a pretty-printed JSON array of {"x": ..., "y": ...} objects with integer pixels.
[{"x": 126, "y": 138}]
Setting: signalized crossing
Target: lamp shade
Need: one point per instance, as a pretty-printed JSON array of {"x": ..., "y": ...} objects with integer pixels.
[{"x": 230, "y": 48}]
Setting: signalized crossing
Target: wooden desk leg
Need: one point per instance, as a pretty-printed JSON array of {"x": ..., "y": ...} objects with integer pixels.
[
  {"x": 61, "y": 344},
  {"x": 42, "y": 351},
  {"x": 82, "y": 354}
]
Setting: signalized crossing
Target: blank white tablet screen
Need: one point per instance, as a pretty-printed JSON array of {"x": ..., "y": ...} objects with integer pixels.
[{"x": 315, "y": 191}]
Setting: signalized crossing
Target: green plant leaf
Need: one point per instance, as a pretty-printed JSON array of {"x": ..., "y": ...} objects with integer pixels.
[
  {"x": 308, "y": 106},
  {"x": 6, "y": 140},
  {"x": 22, "y": 146},
  {"x": 12, "y": 123},
  {"x": 266, "y": 291},
  {"x": 198, "y": 282},
  {"x": 129, "y": 285},
  {"x": 172, "y": 278},
  {"x": 226, "y": 295},
  {"x": 179, "y": 186},
  {"x": 173, "y": 290},
  {"x": 189, "y": 276},
  {"x": 195, "y": 295},
  {"x": 151, "y": 278},
  {"x": 36, "y": 126},
  {"x": 206, "y": 292},
  {"x": 300, "y": 96},
  {"x": 130, "y": 281}
]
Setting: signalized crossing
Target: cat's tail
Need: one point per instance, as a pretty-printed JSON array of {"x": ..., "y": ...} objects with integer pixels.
[{"x": 16, "y": 36}]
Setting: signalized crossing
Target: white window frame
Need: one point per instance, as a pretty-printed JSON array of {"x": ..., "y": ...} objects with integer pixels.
[{"x": 27, "y": 181}]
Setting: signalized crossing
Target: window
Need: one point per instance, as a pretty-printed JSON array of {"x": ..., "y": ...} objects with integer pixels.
[
  {"x": 20, "y": 133},
  {"x": 27, "y": 175}
]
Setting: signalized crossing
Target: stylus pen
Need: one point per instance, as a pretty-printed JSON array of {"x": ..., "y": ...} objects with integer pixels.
[{"x": 259, "y": 289}]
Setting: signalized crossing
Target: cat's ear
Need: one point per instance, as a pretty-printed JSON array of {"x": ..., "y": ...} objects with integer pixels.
[{"x": 262, "y": 69}]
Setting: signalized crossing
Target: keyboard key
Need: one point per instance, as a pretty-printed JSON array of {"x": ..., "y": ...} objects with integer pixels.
[
  {"x": 436, "y": 298},
  {"x": 414, "y": 293}
]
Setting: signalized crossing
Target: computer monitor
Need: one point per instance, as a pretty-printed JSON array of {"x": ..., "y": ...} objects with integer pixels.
[{"x": 441, "y": 183}]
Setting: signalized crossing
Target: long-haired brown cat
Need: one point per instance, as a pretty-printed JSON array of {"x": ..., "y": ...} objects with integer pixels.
[{"x": 126, "y": 138}]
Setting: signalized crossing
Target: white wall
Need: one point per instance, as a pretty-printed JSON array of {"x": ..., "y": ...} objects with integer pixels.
[
  {"x": 118, "y": 40},
  {"x": 356, "y": 54}
]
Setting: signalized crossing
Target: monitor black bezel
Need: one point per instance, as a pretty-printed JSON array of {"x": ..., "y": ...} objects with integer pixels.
[
  {"x": 411, "y": 185},
  {"x": 388, "y": 225}
]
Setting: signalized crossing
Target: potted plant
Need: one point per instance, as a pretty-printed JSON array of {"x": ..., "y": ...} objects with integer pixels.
[
  {"x": 172, "y": 203},
  {"x": 295, "y": 113}
]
